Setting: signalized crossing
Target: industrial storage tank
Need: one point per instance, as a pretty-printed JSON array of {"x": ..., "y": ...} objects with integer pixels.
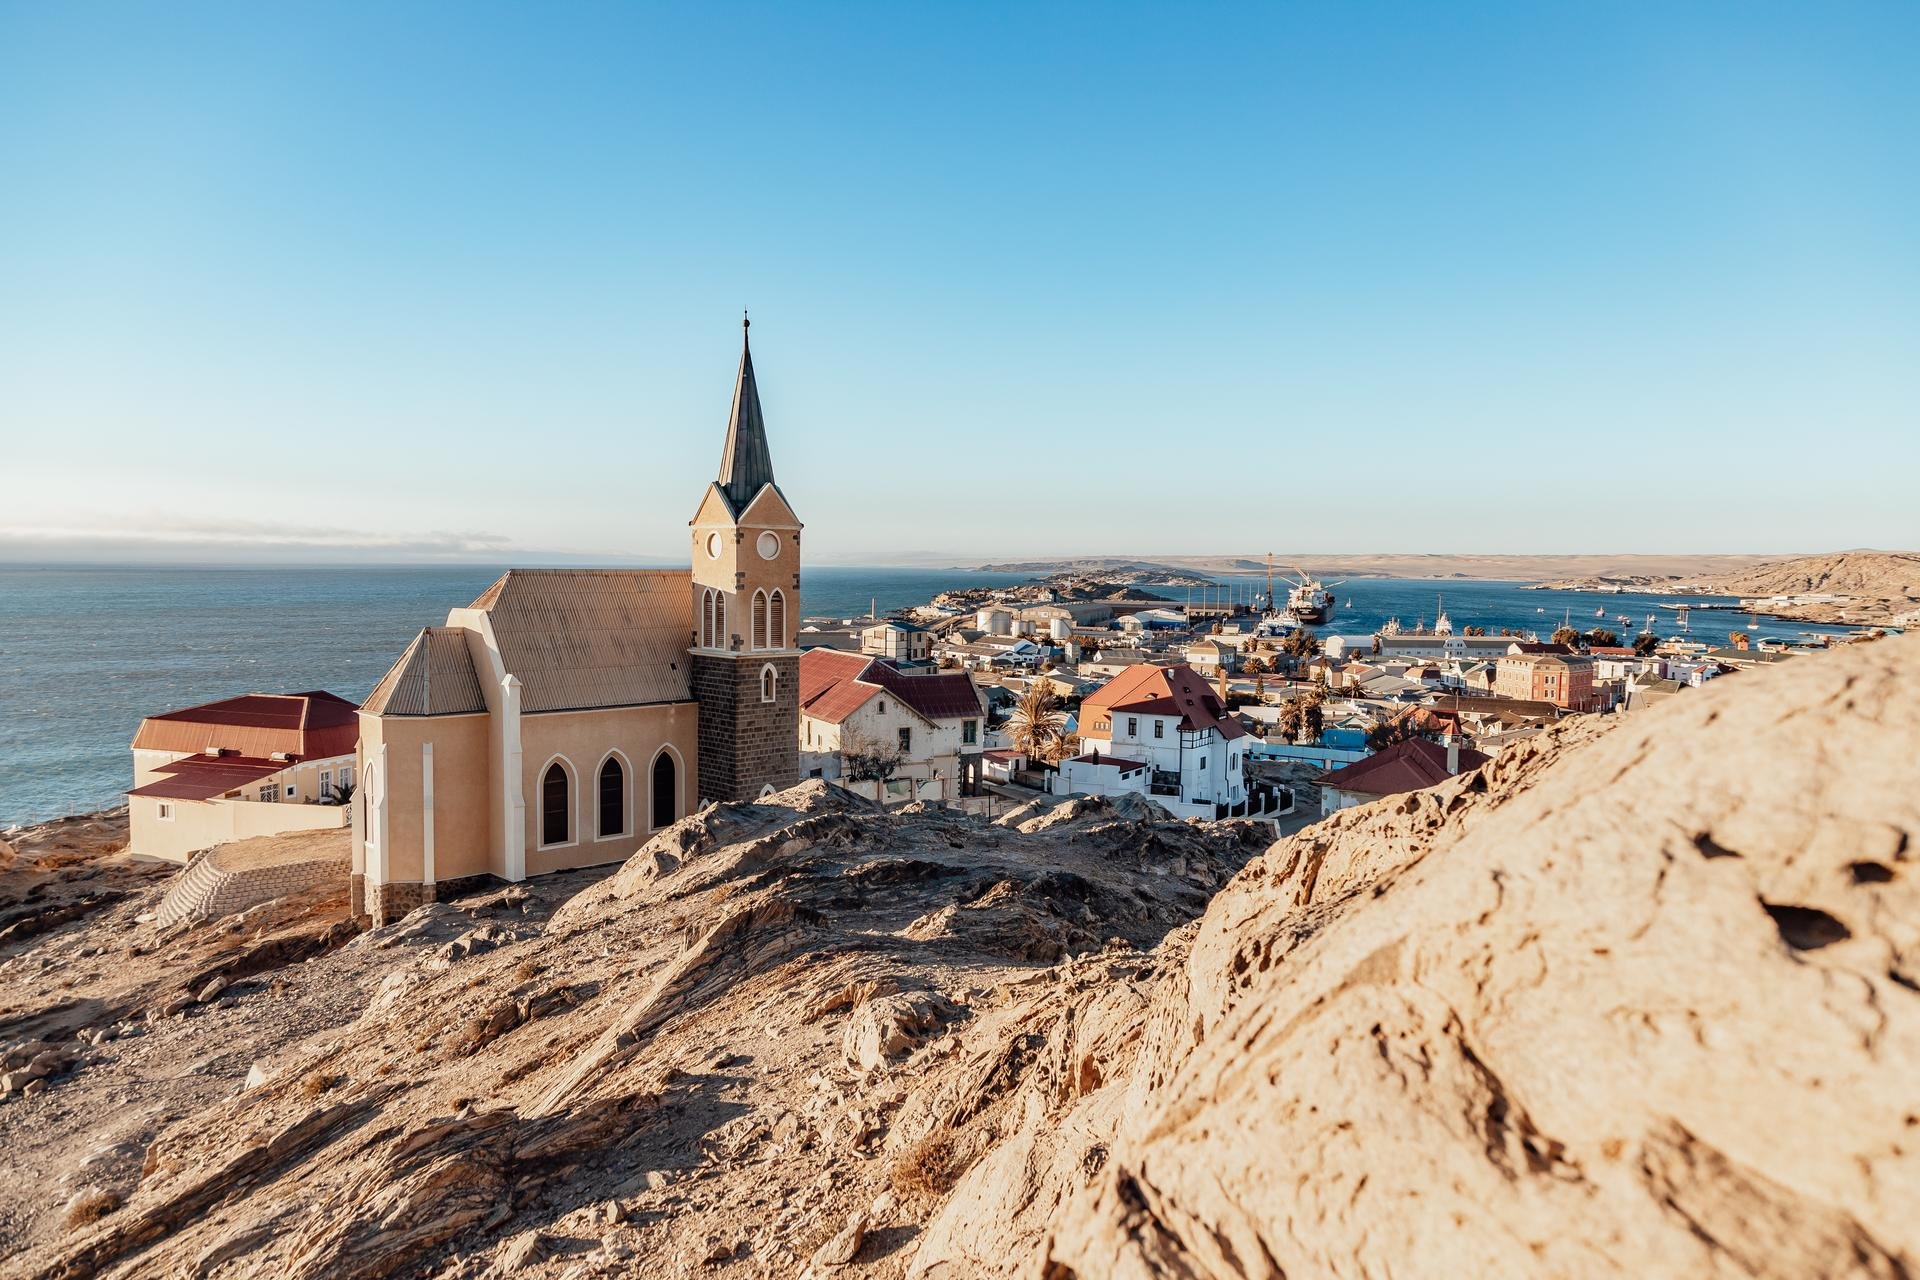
[
  {"x": 995, "y": 622},
  {"x": 1059, "y": 628}
]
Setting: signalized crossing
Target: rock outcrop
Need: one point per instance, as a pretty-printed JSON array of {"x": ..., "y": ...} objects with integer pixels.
[
  {"x": 1640, "y": 997},
  {"x": 1646, "y": 1005}
]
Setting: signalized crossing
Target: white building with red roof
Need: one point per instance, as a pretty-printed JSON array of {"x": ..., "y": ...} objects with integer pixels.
[
  {"x": 260, "y": 764},
  {"x": 1171, "y": 723},
  {"x": 934, "y": 722}
]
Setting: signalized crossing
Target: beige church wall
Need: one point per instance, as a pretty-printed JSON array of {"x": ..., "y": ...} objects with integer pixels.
[
  {"x": 581, "y": 740},
  {"x": 461, "y": 844}
]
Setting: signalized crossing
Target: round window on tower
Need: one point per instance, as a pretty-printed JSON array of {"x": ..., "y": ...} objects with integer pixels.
[
  {"x": 713, "y": 546},
  {"x": 769, "y": 545}
]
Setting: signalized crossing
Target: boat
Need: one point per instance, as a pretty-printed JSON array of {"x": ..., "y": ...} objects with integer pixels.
[
  {"x": 1599, "y": 613},
  {"x": 1309, "y": 601}
]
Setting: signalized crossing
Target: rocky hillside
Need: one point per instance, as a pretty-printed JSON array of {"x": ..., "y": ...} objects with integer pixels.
[
  {"x": 1632, "y": 1000},
  {"x": 1857, "y": 574}
]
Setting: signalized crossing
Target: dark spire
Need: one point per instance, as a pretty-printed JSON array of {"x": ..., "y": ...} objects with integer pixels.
[{"x": 745, "y": 465}]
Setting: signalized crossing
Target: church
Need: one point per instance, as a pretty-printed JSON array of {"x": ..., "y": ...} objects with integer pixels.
[{"x": 567, "y": 714}]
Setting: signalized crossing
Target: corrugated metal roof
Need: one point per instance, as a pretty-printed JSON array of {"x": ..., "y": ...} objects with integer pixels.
[
  {"x": 434, "y": 677},
  {"x": 835, "y": 685},
  {"x": 204, "y": 777},
  {"x": 311, "y": 725},
  {"x": 1405, "y": 766},
  {"x": 579, "y": 638}
]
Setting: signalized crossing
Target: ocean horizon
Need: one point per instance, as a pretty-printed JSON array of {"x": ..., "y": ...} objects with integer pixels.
[{"x": 87, "y": 650}]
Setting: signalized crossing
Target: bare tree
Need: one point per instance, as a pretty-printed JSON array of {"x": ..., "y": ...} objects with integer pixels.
[{"x": 867, "y": 759}]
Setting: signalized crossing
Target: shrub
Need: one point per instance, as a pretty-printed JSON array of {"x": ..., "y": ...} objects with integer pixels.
[
  {"x": 90, "y": 1205},
  {"x": 927, "y": 1168}
]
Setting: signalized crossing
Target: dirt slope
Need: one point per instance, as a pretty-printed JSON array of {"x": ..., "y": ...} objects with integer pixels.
[
  {"x": 707, "y": 1047},
  {"x": 1634, "y": 1000}
]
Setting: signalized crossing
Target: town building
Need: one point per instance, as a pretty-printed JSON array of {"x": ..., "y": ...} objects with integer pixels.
[
  {"x": 1209, "y": 656},
  {"x": 1411, "y": 765},
  {"x": 566, "y": 714},
  {"x": 1565, "y": 680},
  {"x": 1170, "y": 720},
  {"x": 851, "y": 704},
  {"x": 257, "y": 765},
  {"x": 897, "y": 641}
]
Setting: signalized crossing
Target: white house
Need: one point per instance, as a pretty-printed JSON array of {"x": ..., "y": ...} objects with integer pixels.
[
  {"x": 934, "y": 721},
  {"x": 1169, "y": 720}
]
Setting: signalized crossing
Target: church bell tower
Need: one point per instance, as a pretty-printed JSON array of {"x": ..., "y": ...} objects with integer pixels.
[{"x": 746, "y": 606}]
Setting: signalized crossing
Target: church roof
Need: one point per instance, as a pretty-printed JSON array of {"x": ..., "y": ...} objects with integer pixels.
[
  {"x": 746, "y": 465},
  {"x": 434, "y": 677},
  {"x": 584, "y": 638}
]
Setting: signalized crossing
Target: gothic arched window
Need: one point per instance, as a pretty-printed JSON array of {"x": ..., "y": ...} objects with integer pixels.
[
  {"x": 709, "y": 618},
  {"x": 769, "y": 683},
  {"x": 760, "y": 620},
  {"x": 613, "y": 798},
  {"x": 666, "y": 798},
  {"x": 777, "y": 626},
  {"x": 555, "y": 802}
]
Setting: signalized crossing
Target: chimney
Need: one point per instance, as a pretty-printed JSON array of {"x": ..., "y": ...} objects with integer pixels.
[{"x": 1453, "y": 754}]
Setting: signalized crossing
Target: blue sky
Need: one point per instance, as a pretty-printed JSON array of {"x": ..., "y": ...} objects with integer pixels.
[{"x": 422, "y": 281}]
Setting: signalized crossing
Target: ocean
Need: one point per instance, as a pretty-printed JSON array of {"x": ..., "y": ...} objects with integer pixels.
[{"x": 86, "y": 651}]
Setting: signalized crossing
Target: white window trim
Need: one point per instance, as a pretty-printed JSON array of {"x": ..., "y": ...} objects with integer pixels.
[
  {"x": 539, "y": 807},
  {"x": 769, "y": 670},
  {"x": 626, "y": 796},
  {"x": 165, "y": 812}
]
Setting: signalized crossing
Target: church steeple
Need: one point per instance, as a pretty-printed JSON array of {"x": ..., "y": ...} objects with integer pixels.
[{"x": 745, "y": 465}]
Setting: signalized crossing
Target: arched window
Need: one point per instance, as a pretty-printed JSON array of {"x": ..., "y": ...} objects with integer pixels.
[
  {"x": 613, "y": 798},
  {"x": 777, "y": 627},
  {"x": 769, "y": 683},
  {"x": 555, "y": 804},
  {"x": 709, "y": 619},
  {"x": 666, "y": 797},
  {"x": 759, "y": 619}
]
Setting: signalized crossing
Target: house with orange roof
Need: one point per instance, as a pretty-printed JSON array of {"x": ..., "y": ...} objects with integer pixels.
[
  {"x": 1189, "y": 750},
  {"x": 257, "y": 765}
]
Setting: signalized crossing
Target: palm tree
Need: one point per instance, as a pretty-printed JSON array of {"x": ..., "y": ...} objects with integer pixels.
[
  {"x": 339, "y": 794},
  {"x": 1389, "y": 732},
  {"x": 1304, "y": 716},
  {"x": 1037, "y": 723}
]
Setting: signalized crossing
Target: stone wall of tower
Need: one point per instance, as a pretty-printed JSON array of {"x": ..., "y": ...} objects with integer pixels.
[{"x": 746, "y": 744}]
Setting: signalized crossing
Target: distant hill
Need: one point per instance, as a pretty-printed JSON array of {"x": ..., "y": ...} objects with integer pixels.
[
  {"x": 1882, "y": 575},
  {"x": 1516, "y": 568}
]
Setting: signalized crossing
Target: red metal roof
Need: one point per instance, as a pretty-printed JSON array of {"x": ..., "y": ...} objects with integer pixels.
[
  {"x": 204, "y": 777},
  {"x": 834, "y": 685},
  {"x": 1405, "y": 766},
  {"x": 312, "y": 725}
]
